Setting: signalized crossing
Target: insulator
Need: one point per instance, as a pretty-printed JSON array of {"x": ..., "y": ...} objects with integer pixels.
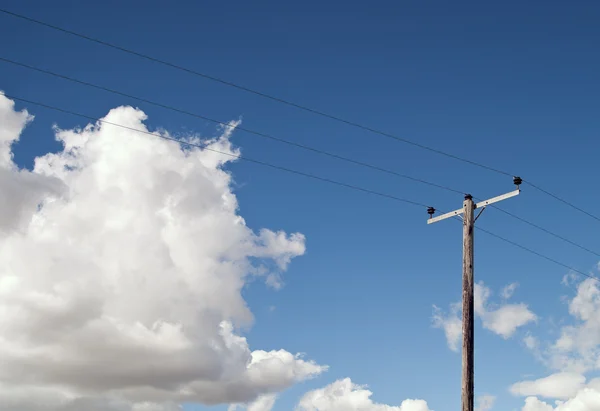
[
  {"x": 518, "y": 181},
  {"x": 431, "y": 211}
]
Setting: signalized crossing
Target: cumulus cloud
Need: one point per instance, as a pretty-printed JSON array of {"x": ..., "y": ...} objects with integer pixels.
[
  {"x": 12, "y": 123},
  {"x": 22, "y": 191},
  {"x": 122, "y": 260},
  {"x": 534, "y": 404},
  {"x": 560, "y": 385},
  {"x": 578, "y": 346},
  {"x": 585, "y": 400},
  {"x": 262, "y": 403},
  {"x": 502, "y": 319},
  {"x": 573, "y": 354},
  {"x": 344, "y": 395}
]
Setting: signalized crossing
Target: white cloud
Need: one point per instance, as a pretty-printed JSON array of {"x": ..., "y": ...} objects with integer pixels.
[
  {"x": 121, "y": 275},
  {"x": 344, "y": 395},
  {"x": 573, "y": 354},
  {"x": 450, "y": 323},
  {"x": 531, "y": 342},
  {"x": 36, "y": 398},
  {"x": 534, "y": 404},
  {"x": 508, "y": 291},
  {"x": 561, "y": 385},
  {"x": 594, "y": 384},
  {"x": 570, "y": 278},
  {"x": 22, "y": 191},
  {"x": 577, "y": 349},
  {"x": 12, "y": 123},
  {"x": 485, "y": 403},
  {"x": 585, "y": 400},
  {"x": 262, "y": 403},
  {"x": 503, "y": 319}
]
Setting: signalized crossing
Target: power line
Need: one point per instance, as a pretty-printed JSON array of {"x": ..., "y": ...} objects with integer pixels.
[
  {"x": 249, "y": 90},
  {"x": 251, "y": 160},
  {"x": 257, "y": 133},
  {"x": 295, "y": 105},
  {"x": 292, "y": 171},
  {"x": 546, "y": 230},
  {"x": 291, "y": 143},
  {"x": 563, "y": 201},
  {"x": 529, "y": 250}
]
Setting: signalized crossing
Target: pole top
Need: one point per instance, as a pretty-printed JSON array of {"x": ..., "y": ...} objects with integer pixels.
[{"x": 468, "y": 197}]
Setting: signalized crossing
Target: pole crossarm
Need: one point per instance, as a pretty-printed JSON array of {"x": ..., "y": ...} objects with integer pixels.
[{"x": 481, "y": 204}]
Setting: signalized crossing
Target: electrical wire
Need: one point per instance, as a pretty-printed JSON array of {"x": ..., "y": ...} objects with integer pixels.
[
  {"x": 241, "y": 128},
  {"x": 248, "y": 90},
  {"x": 288, "y": 142},
  {"x": 295, "y": 105},
  {"x": 545, "y": 230},
  {"x": 529, "y": 250},
  {"x": 251, "y": 160},
  {"x": 292, "y": 171},
  {"x": 563, "y": 200}
]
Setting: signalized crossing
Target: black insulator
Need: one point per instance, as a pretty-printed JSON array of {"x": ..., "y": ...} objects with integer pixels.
[
  {"x": 518, "y": 181},
  {"x": 431, "y": 211},
  {"x": 468, "y": 197}
]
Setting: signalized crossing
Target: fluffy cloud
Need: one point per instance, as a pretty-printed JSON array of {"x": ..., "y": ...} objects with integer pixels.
[
  {"x": 585, "y": 400},
  {"x": 12, "y": 123},
  {"x": 263, "y": 403},
  {"x": 570, "y": 388},
  {"x": 344, "y": 395},
  {"x": 561, "y": 385},
  {"x": 578, "y": 346},
  {"x": 533, "y": 404},
  {"x": 122, "y": 260},
  {"x": 503, "y": 319},
  {"x": 573, "y": 354},
  {"x": 22, "y": 190}
]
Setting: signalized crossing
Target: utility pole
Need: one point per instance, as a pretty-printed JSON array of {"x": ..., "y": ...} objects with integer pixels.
[{"x": 468, "y": 315}]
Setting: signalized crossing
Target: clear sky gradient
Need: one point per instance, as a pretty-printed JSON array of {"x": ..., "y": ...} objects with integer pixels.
[{"x": 510, "y": 84}]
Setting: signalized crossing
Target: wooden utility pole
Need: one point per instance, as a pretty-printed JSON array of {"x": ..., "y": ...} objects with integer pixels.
[
  {"x": 468, "y": 285},
  {"x": 468, "y": 316}
]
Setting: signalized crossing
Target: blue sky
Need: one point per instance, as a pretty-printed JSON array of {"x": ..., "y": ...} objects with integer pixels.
[{"x": 511, "y": 84}]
